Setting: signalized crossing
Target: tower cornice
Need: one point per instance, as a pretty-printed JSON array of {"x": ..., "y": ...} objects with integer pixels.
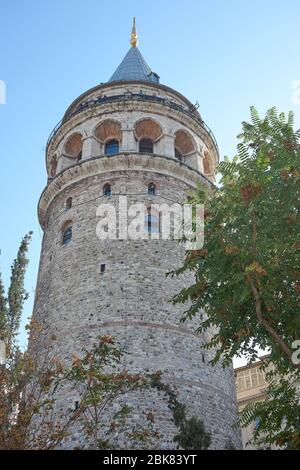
[
  {"x": 123, "y": 162},
  {"x": 110, "y": 85}
]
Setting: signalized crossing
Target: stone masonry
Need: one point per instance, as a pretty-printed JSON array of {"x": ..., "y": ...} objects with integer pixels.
[{"x": 75, "y": 300}]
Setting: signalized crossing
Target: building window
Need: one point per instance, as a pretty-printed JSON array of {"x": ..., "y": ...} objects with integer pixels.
[
  {"x": 152, "y": 222},
  {"x": 257, "y": 422},
  {"x": 184, "y": 143},
  {"x": 109, "y": 130},
  {"x": 250, "y": 378},
  {"x": 107, "y": 190},
  {"x": 67, "y": 235},
  {"x": 151, "y": 189},
  {"x": 153, "y": 77},
  {"x": 146, "y": 146},
  {"x": 69, "y": 202},
  {"x": 73, "y": 146},
  {"x": 112, "y": 147},
  {"x": 102, "y": 269},
  {"x": 178, "y": 154}
]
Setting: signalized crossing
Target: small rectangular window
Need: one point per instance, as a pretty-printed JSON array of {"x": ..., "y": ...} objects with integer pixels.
[
  {"x": 152, "y": 224},
  {"x": 67, "y": 236},
  {"x": 102, "y": 268}
]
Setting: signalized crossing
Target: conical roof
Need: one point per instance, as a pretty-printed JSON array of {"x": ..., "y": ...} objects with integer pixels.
[{"x": 134, "y": 68}]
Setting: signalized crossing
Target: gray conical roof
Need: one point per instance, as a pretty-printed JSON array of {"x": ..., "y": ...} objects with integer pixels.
[{"x": 134, "y": 68}]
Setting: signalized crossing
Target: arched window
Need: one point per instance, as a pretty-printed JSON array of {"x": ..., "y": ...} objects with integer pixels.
[
  {"x": 178, "y": 154},
  {"x": 69, "y": 203},
  {"x": 146, "y": 146},
  {"x": 67, "y": 235},
  {"x": 151, "y": 189},
  {"x": 73, "y": 146},
  {"x": 112, "y": 147},
  {"x": 184, "y": 144},
  {"x": 148, "y": 129},
  {"x": 107, "y": 190},
  {"x": 108, "y": 130}
]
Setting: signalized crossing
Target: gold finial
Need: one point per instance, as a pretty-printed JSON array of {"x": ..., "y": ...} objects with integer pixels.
[{"x": 134, "y": 37}]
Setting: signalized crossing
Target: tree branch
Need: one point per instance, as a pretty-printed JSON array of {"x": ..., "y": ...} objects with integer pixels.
[{"x": 277, "y": 338}]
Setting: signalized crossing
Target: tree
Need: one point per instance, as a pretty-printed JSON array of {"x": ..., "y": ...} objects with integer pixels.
[
  {"x": 100, "y": 384},
  {"x": 278, "y": 416},
  {"x": 30, "y": 384},
  {"x": 100, "y": 413},
  {"x": 247, "y": 275},
  {"x": 30, "y": 391},
  {"x": 11, "y": 307}
]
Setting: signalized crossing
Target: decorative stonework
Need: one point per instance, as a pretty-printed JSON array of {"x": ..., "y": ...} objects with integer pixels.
[
  {"x": 131, "y": 111},
  {"x": 108, "y": 129},
  {"x": 148, "y": 129},
  {"x": 73, "y": 145},
  {"x": 184, "y": 142}
]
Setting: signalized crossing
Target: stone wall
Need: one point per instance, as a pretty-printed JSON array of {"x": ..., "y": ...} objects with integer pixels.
[{"x": 130, "y": 301}]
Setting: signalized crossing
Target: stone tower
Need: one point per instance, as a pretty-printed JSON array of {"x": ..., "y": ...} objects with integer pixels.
[{"x": 133, "y": 137}]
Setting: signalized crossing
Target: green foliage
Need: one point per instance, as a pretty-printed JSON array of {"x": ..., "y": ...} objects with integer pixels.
[
  {"x": 102, "y": 385},
  {"x": 247, "y": 275},
  {"x": 16, "y": 292},
  {"x": 11, "y": 307},
  {"x": 12, "y": 373},
  {"x": 191, "y": 434},
  {"x": 97, "y": 378},
  {"x": 29, "y": 388},
  {"x": 278, "y": 416}
]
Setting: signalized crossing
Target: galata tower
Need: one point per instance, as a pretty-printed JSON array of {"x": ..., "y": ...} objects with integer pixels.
[{"x": 133, "y": 137}]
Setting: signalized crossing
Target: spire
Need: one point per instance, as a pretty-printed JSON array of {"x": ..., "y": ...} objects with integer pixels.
[
  {"x": 134, "y": 67},
  {"x": 134, "y": 37}
]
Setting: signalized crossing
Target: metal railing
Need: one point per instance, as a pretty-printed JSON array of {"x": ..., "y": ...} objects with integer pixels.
[{"x": 134, "y": 97}]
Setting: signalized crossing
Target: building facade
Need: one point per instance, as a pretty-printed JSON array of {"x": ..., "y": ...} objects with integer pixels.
[
  {"x": 136, "y": 138},
  {"x": 251, "y": 387}
]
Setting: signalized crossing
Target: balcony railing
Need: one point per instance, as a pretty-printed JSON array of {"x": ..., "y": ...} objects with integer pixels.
[{"x": 134, "y": 97}]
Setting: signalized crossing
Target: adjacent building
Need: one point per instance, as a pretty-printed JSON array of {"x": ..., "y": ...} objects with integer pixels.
[{"x": 251, "y": 387}]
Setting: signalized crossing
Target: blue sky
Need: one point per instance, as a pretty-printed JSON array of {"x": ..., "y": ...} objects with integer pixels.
[{"x": 226, "y": 54}]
